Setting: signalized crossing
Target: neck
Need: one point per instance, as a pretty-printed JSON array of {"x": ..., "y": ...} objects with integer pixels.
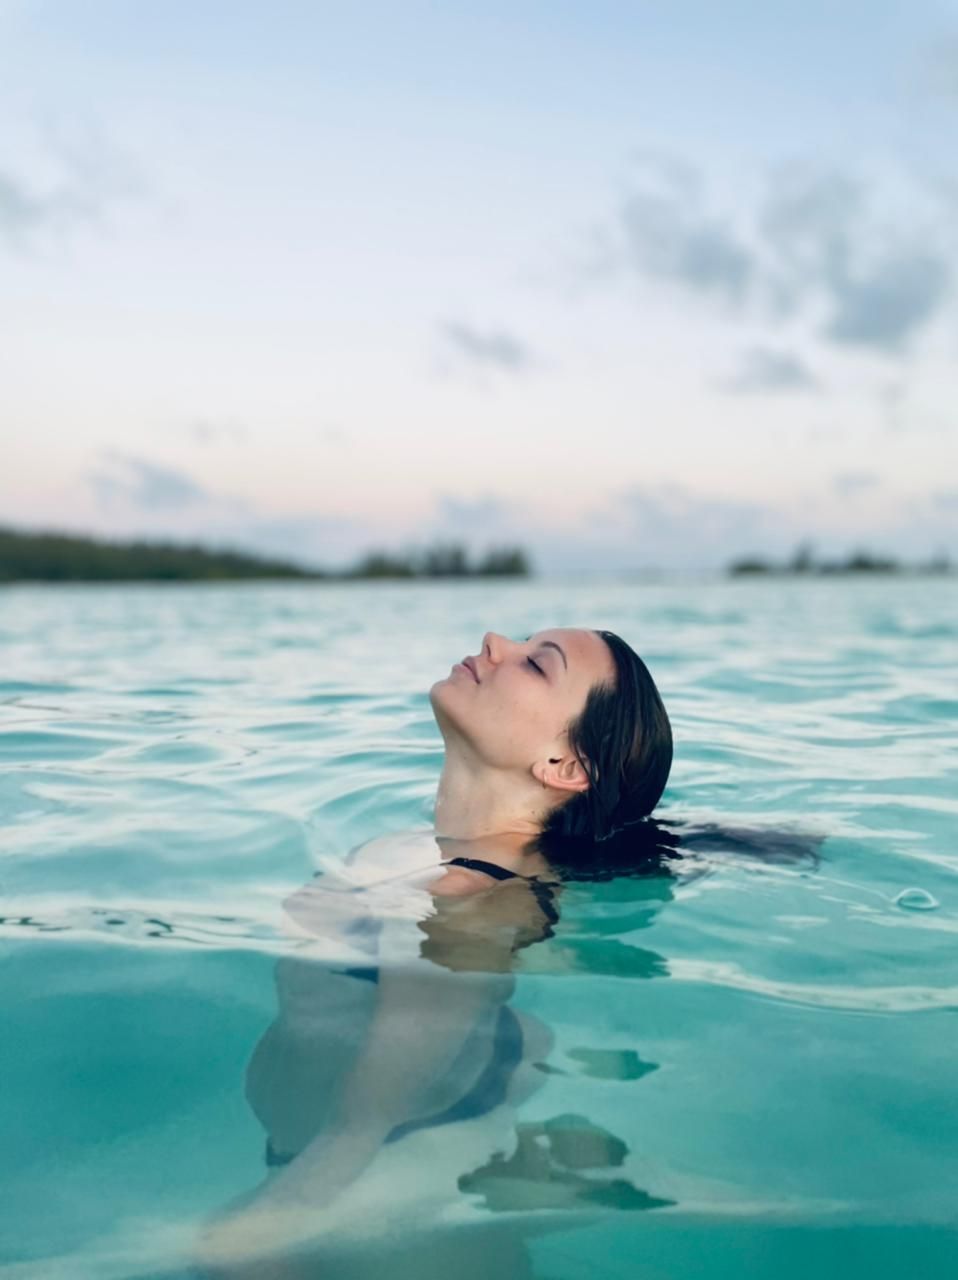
[{"x": 482, "y": 811}]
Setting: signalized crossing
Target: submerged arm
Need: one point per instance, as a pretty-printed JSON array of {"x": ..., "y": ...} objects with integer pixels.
[
  {"x": 425, "y": 1011},
  {"x": 423, "y": 1017}
]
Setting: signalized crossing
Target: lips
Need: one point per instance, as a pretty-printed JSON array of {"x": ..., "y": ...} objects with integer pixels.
[{"x": 470, "y": 664}]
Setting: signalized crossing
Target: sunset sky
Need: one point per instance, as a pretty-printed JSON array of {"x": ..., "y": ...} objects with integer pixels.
[{"x": 633, "y": 284}]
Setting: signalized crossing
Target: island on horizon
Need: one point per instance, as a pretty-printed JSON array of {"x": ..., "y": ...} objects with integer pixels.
[
  {"x": 63, "y": 557},
  {"x": 804, "y": 562}
]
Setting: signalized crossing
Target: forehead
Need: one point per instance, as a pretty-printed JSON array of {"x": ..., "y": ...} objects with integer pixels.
[{"x": 586, "y": 652}]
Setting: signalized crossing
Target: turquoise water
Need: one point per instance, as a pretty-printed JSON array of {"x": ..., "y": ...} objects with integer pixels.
[{"x": 763, "y": 1057}]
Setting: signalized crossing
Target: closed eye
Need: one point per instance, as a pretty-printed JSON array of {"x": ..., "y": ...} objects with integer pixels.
[{"x": 533, "y": 663}]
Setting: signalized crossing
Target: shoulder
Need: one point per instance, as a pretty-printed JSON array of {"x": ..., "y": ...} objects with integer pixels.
[
  {"x": 393, "y": 854},
  {"x": 460, "y": 882}
]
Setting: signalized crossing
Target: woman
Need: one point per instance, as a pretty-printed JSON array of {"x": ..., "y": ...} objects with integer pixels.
[
  {"x": 557, "y": 748},
  {"x": 553, "y": 745}
]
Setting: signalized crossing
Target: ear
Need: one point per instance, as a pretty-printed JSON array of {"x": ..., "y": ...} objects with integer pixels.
[{"x": 562, "y": 773}]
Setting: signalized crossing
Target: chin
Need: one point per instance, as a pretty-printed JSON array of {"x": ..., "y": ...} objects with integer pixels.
[
  {"x": 438, "y": 694},
  {"x": 437, "y": 688},
  {"x": 442, "y": 698}
]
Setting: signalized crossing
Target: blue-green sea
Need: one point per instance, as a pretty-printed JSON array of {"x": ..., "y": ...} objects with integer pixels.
[{"x": 764, "y": 1055}]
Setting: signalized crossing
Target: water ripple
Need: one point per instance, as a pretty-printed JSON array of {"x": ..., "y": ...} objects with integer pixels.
[
  {"x": 175, "y": 762},
  {"x": 858, "y": 999}
]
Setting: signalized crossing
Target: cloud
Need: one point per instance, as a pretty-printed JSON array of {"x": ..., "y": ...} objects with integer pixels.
[
  {"x": 137, "y": 482},
  {"x": 817, "y": 248},
  {"x": 885, "y": 306},
  {"x": 817, "y": 227},
  {"x": 764, "y": 369},
  {"x": 89, "y": 176},
  {"x": 205, "y": 431},
  {"x": 25, "y": 210},
  {"x": 808, "y": 223},
  {"x": 669, "y": 236},
  {"x": 939, "y": 67},
  {"x": 494, "y": 349},
  {"x": 848, "y": 483}
]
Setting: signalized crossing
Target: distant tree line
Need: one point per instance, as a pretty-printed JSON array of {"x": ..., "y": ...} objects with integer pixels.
[
  {"x": 59, "y": 557},
  {"x": 804, "y": 561},
  {"x": 56, "y": 557},
  {"x": 442, "y": 560}
]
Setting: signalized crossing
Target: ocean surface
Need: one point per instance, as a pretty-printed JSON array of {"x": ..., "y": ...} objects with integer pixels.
[{"x": 749, "y": 1072}]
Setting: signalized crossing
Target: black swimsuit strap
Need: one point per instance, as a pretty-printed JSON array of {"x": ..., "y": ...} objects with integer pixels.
[
  {"x": 490, "y": 868},
  {"x": 543, "y": 893}
]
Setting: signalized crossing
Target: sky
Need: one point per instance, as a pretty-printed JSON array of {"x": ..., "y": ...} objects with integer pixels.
[{"x": 635, "y": 285}]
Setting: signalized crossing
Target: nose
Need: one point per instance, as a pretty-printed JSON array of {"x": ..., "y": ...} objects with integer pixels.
[{"x": 494, "y": 646}]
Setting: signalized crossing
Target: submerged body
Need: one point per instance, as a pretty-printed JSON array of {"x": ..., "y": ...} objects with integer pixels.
[
  {"x": 372, "y": 943},
  {"x": 393, "y": 1026},
  {"x": 393, "y": 1020}
]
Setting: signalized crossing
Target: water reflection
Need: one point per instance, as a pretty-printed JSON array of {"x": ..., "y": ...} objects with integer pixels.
[
  {"x": 551, "y": 1166},
  {"x": 389, "y": 1091}
]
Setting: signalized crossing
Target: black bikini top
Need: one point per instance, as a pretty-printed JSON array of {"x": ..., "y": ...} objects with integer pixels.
[
  {"x": 490, "y": 868},
  {"x": 543, "y": 893}
]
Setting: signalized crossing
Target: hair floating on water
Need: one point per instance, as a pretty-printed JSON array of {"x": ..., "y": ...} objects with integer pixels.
[
  {"x": 623, "y": 739},
  {"x": 655, "y": 846}
]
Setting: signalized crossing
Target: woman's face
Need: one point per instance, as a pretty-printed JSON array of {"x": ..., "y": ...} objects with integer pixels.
[{"x": 513, "y": 701}]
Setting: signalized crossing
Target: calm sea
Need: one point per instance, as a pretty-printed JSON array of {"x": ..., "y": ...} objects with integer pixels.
[{"x": 750, "y": 1073}]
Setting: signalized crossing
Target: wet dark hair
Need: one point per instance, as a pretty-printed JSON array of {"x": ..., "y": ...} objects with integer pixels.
[{"x": 623, "y": 739}]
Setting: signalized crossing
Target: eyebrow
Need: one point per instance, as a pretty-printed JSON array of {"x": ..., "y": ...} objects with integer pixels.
[{"x": 551, "y": 644}]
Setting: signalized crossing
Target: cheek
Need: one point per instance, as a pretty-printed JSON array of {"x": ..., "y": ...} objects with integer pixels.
[
  {"x": 525, "y": 707},
  {"x": 509, "y": 720}
]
